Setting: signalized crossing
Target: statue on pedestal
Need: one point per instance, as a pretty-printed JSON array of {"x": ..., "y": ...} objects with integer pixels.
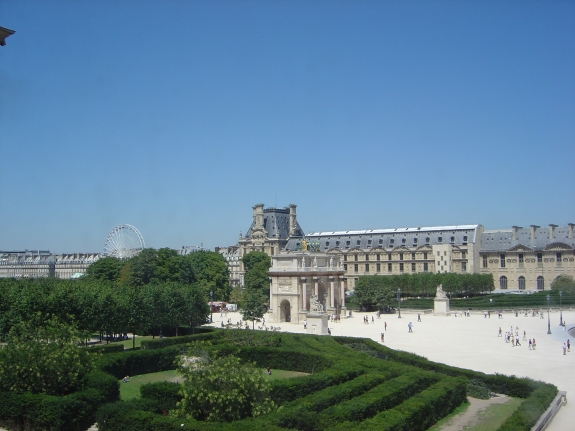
[
  {"x": 440, "y": 293},
  {"x": 314, "y": 305}
]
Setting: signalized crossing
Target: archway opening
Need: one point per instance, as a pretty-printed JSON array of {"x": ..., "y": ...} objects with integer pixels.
[{"x": 285, "y": 311}]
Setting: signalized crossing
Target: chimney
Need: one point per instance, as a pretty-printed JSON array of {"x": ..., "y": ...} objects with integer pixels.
[
  {"x": 514, "y": 230},
  {"x": 532, "y": 230},
  {"x": 570, "y": 230},
  {"x": 292, "y": 220},
  {"x": 551, "y": 230}
]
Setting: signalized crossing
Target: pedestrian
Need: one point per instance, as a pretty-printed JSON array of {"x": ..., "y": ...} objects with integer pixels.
[
  {"x": 534, "y": 345},
  {"x": 372, "y": 321},
  {"x": 489, "y": 314},
  {"x": 517, "y": 343},
  {"x": 485, "y": 314},
  {"x": 530, "y": 344},
  {"x": 524, "y": 335},
  {"x": 410, "y": 325},
  {"x": 385, "y": 326},
  {"x": 568, "y": 345},
  {"x": 304, "y": 323},
  {"x": 418, "y": 317},
  {"x": 382, "y": 337},
  {"x": 499, "y": 333},
  {"x": 564, "y": 348}
]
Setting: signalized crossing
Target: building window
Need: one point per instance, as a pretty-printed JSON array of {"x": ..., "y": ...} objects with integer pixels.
[
  {"x": 388, "y": 256},
  {"x": 367, "y": 267},
  {"x": 345, "y": 266},
  {"x": 427, "y": 240},
  {"x": 539, "y": 259},
  {"x": 425, "y": 255},
  {"x": 464, "y": 239},
  {"x": 463, "y": 254},
  {"x": 380, "y": 241},
  {"x": 413, "y": 267},
  {"x": 558, "y": 257},
  {"x": 355, "y": 267},
  {"x": 326, "y": 244},
  {"x": 337, "y": 243},
  {"x": 425, "y": 267},
  {"x": 540, "y": 283},
  {"x": 400, "y": 256},
  {"x": 403, "y": 240},
  {"x": 521, "y": 283},
  {"x": 368, "y": 243},
  {"x": 521, "y": 260},
  {"x": 412, "y": 256},
  {"x": 484, "y": 261},
  {"x": 378, "y": 256},
  {"x": 452, "y": 239},
  {"x": 503, "y": 282},
  {"x": 355, "y": 257},
  {"x": 367, "y": 257},
  {"x": 502, "y": 260},
  {"x": 389, "y": 268},
  {"x": 414, "y": 241},
  {"x": 463, "y": 266},
  {"x": 439, "y": 239},
  {"x": 378, "y": 267},
  {"x": 391, "y": 241},
  {"x": 347, "y": 244},
  {"x": 345, "y": 257},
  {"x": 358, "y": 243},
  {"x": 401, "y": 267}
]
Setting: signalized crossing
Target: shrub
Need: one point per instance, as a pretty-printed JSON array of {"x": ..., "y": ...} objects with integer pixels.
[
  {"x": 106, "y": 348},
  {"x": 138, "y": 362},
  {"x": 165, "y": 394},
  {"x": 104, "y": 383}
]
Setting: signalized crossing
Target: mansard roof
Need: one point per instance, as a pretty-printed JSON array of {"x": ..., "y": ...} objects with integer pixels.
[
  {"x": 503, "y": 240},
  {"x": 276, "y": 224},
  {"x": 387, "y": 239}
]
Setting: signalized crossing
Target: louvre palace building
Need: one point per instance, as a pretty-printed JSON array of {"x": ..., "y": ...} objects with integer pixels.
[{"x": 520, "y": 259}]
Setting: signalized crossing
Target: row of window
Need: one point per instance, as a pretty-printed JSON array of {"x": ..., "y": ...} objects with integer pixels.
[
  {"x": 521, "y": 283},
  {"x": 402, "y": 267},
  {"x": 392, "y": 242},
  {"x": 389, "y": 256},
  {"x": 521, "y": 259}
]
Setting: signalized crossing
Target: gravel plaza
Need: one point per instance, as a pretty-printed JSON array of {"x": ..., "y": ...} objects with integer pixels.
[{"x": 470, "y": 342}]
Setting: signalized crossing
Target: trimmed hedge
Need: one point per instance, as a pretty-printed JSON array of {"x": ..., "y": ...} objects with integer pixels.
[
  {"x": 106, "y": 348},
  {"x": 160, "y": 343},
  {"x": 380, "y": 398},
  {"x": 418, "y": 412},
  {"x": 165, "y": 394},
  {"x": 137, "y": 362},
  {"x": 530, "y": 410}
]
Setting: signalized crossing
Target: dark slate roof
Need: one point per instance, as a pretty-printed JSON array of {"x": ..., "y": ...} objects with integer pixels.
[
  {"x": 501, "y": 240},
  {"x": 390, "y": 238},
  {"x": 276, "y": 224}
]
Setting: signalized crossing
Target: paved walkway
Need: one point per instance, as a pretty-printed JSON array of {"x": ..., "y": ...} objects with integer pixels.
[{"x": 472, "y": 342}]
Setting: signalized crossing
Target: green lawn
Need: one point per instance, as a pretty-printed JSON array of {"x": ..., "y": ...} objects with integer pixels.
[
  {"x": 131, "y": 389},
  {"x": 487, "y": 419}
]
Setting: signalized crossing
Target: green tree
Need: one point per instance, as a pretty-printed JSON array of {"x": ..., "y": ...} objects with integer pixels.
[
  {"x": 222, "y": 390},
  {"x": 42, "y": 356},
  {"x": 564, "y": 283},
  {"x": 254, "y": 305},
  {"x": 257, "y": 265},
  {"x": 211, "y": 271},
  {"x": 105, "y": 269},
  {"x": 253, "y": 257}
]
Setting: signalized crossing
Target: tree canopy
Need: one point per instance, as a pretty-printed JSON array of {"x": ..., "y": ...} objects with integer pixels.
[{"x": 564, "y": 283}]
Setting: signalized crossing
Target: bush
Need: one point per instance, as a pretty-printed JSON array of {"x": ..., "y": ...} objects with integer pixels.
[
  {"x": 104, "y": 383},
  {"x": 106, "y": 348},
  {"x": 478, "y": 389},
  {"x": 138, "y": 362},
  {"x": 531, "y": 409},
  {"x": 165, "y": 394},
  {"x": 160, "y": 343}
]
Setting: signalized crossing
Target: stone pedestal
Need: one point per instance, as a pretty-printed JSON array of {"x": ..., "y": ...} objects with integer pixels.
[
  {"x": 441, "y": 306},
  {"x": 317, "y": 323}
]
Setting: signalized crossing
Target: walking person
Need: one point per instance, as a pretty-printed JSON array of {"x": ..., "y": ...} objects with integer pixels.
[
  {"x": 385, "y": 326},
  {"x": 534, "y": 345},
  {"x": 568, "y": 345},
  {"x": 418, "y": 317},
  {"x": 530, "y": 344},
  {"x": 564, "y": 348},
  {"x": 499, "y": 333},
  {"x": 382, "y": 337},
  {"x": 524, "y": 335},
  {"x": 517, "y": 343},
  {"x": 410, "y": 325}
]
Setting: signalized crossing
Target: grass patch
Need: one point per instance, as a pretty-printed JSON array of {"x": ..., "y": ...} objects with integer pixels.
[
  {"x": 493, "y": 416},
  {"x": 283, "y": 374},
  {"x": 459, "y": 410},
  {"x": 131, "y": 389}
]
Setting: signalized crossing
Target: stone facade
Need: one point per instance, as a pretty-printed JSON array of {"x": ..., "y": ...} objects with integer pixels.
[
  {"x": 296, "y": 276},
  {"x": 231, "y": 255},
  {"x": 528, "y": 259},
  {"x": 399, "y": 251}
]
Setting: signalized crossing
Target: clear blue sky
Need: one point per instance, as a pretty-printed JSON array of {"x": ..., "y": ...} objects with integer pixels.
[{"x": 179, "y": 116}]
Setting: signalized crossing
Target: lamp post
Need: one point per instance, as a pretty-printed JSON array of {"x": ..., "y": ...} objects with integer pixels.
[
  {"x": 211, "y": 307},
  {"x": 399, "y": 302},
  {"x": 560, "y": 309},
  {"x": 548, "y": 321}
]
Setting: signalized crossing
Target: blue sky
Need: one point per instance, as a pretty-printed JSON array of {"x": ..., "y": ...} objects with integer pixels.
[{"x": 178, "y": 116}]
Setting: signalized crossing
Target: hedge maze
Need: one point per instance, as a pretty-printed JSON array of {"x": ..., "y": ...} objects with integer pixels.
[{"x": 354, "y": 384}]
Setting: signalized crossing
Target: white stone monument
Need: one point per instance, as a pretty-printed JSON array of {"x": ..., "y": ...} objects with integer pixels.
[
  {"x": 317, "y": 319},
  {"x": 440, "y": 302}
]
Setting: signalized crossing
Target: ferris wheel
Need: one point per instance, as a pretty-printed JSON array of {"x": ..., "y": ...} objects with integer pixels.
[{"x": 123, "y": 241}]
